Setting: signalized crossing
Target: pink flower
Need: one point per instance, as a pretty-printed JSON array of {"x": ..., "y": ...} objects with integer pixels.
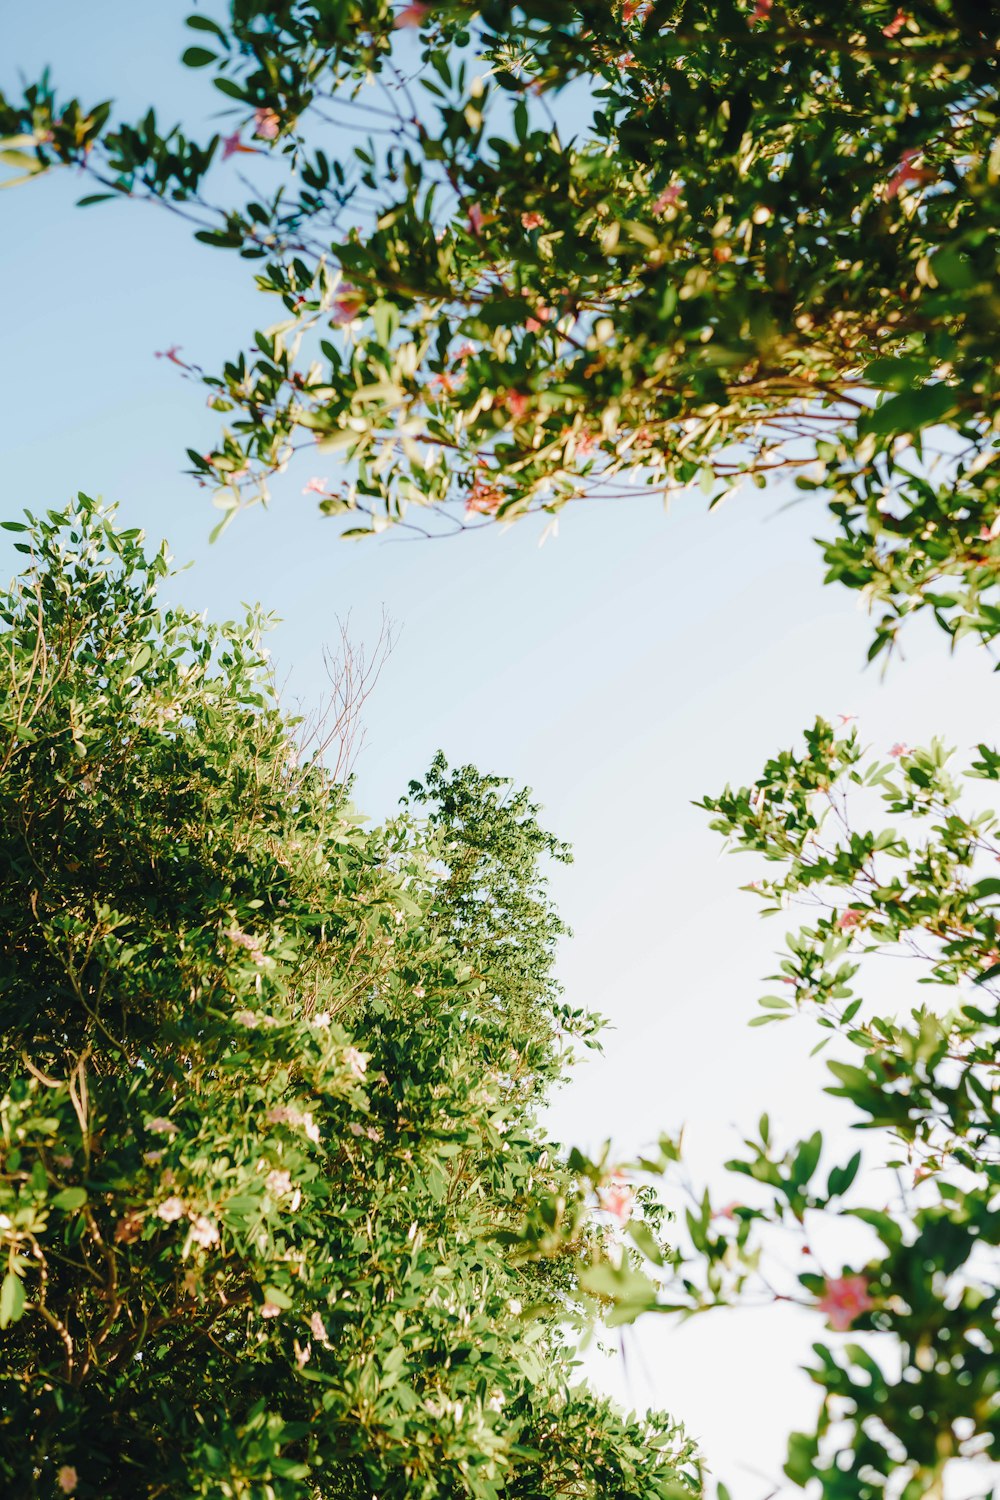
[
  {"x": 246, "y": 1018},
  {"x": 618, "y": 1199},
  {"x": 278, "y": 1182},
  {"x": 899, "y": 749},
  {"x": 347, "y": 306},
  {"x": 170, "y": 1210},
  {"x": 128, "y": 1229},
  {"x": 667, "y": 198},
  {"x": 204, "y": 1232},
  {"x": 318, "y": 1329},
  {"x": 483, "y": 499},
  {"x": 160, "y": 1126},
  {"x": 283, "y": 1114},
  {"x": 270, "y": 1310},
  {"x": 266, "y": 124},
  {"x": 67, "y": 1479},
  {"x": 232, "y": 145},
  {"x": 896, "y": 25},
  {"x": 171, "y": 354},
  {"x": 906, "y": 173},
  {"x": 849, "y": 918},
  {"x": 532, "y": 220},
  {"x": 476, "y": 218},
  {"x": 845, "y": 1298},
  {"x": 413, "y": 14},
  {"x": 542, "y": 315},
  {"x": 517, "y": 404},
  {"x": 846, "y": 718},
  {"x": 761, "y": 11},
  {"x": 316, "y": 487}
]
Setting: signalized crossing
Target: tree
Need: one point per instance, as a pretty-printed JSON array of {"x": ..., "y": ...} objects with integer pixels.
[
  {"x": 269, "y": 1091},
  {"x": 911, "y": 1404},
  {"x": 578, "y": 245},
  {"x": 653, "y": 241}
]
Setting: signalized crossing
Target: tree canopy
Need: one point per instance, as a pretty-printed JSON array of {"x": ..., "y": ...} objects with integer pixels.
[
  {"x": 524, "y": 254},
  {"x": 270, "y": 1090},
  {"x": 277, "y": 1208}
]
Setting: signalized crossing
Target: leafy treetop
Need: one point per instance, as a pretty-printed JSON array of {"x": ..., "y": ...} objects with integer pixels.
[
  {"x": 523, "y": 254},
  {"x": 268, "y": 1113}
]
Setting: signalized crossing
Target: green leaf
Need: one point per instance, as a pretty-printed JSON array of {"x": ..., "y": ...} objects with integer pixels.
[
  {"x": 840, "y": 1178},
  {"x": 205, "y": 23},
  {"x": 806, "y": 1159},
  {"x": 70, "y": 1199},
  {"x": 643, "y": 1238},
  {"x": 912, "y": 410},
  {"x": 230, "y": 89},
  {"x": 12, "y": 1299},
  {"x": 278, "y": 1297},
  {"x": 197, "y": 57}
]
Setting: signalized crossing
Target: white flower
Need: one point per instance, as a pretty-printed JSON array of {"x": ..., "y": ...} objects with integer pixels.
[
  {"x": 356, "y": 1061},
  {"x": 311, "y": 1128},
  {"x": 170, "y": 1210},
  {"x": 278, "y": 1182},
  {"x": 5, "y": 1222},
  {"x": 270, "y": 1310},
  {"x": 419, "y": 991},
  {"x": 160, "y": 1126},
  {"x": 321, "y": 1019},
  {"x": 204, "y": 1232},
  {"x": 246, "y": 1018}
]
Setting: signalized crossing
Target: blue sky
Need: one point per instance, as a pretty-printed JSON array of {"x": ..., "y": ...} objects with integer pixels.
[{"x": 631, "y": 664}]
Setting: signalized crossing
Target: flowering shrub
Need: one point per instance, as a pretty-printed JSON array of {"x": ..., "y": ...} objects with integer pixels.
[{"x": 270, "y": 1079}]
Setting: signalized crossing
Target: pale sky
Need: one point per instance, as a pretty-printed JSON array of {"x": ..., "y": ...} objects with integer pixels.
[{"x": 632, "y": 664}]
